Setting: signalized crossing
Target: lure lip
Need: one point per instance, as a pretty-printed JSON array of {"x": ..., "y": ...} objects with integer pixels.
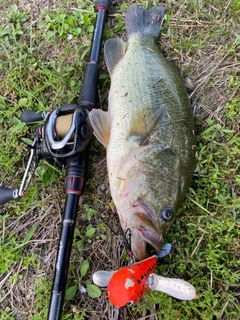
[{"x": 177, "y": 288}]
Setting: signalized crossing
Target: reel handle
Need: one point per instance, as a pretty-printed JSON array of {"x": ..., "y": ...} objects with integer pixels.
[
  {"x": 7, "y": 194},
  {"x": 30, "y": 116}
]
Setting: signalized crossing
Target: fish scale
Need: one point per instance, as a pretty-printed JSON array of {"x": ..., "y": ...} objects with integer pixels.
[{"x": 148, "y": 132}]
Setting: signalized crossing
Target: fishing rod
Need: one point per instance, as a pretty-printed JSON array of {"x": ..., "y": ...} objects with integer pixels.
[
  {"x": 64, "y": 139},
  {"x": 77, "y": 164}
]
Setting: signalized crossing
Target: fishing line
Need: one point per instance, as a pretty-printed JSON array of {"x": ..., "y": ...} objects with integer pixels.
[{"x": 125, "y": 237}]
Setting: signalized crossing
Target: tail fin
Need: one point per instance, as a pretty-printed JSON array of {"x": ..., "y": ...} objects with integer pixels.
[{"x": 140, "y": 20}]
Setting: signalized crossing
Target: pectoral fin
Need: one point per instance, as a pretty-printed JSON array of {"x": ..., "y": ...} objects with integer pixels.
[
  {"x": 101, "y": 125},
  {"x": 143, "y": 123}
]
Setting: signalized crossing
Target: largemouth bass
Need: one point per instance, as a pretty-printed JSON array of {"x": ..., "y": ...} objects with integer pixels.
[{"x": 148, "y": 132}]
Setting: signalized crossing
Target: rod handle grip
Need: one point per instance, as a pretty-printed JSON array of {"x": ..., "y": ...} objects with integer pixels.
[
  {"x": 89, "y": 91},
  {"x": 30, "y": 116},
  {"x": 7, "y": 194}
]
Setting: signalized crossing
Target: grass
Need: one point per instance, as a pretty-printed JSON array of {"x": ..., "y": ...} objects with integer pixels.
[{"x": 41, "y": 68}]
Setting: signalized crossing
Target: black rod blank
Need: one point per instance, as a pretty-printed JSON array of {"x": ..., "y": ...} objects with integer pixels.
[{"x": 89, "y": 91}]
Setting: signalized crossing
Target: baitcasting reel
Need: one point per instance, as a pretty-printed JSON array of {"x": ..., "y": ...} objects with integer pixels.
[{"x": 65, "y": 133}]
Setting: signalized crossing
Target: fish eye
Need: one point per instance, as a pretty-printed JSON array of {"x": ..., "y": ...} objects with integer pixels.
[
  {"x": 167, "y": 213},
  {"x": 130, "y": 303}
]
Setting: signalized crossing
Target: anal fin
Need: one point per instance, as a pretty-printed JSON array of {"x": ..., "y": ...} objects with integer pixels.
[{"x": 114, "y": 50}]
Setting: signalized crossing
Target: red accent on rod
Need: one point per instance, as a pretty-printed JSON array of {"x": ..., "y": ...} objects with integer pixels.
[
  {"x": 102, "y": 7},
  {"x": 74, "y": 184},
  {"x": 74, "y": 192}
]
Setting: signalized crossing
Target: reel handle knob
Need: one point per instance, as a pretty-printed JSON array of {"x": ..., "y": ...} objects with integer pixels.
[
  {"x": 7, "y": 194},
  {"x": 30, "y": 116}
]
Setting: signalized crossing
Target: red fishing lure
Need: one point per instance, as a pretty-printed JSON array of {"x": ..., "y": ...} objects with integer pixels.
[{"x": 129, "y": 284}]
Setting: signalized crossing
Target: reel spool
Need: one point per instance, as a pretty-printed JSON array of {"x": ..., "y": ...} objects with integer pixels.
[{"x": 62, "y": 126}]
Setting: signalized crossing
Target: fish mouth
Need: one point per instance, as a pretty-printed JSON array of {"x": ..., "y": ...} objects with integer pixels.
[{"x": 144, "y": 232}]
